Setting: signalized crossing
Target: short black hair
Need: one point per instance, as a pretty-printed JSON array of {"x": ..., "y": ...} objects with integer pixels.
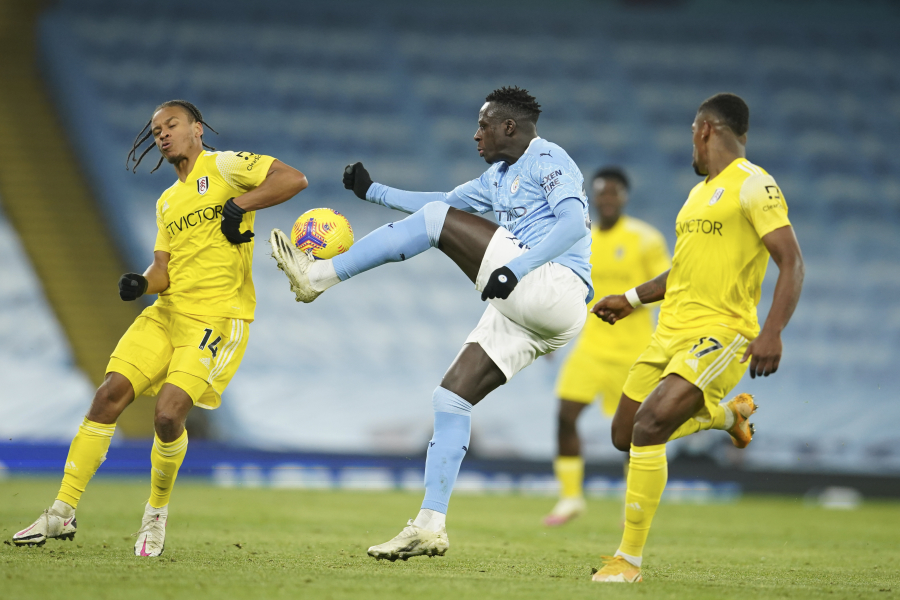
[
  {"x": 611, "y": 172},
  {"x": 515, "y": 103},
  {"x": 731, "y": 108}
]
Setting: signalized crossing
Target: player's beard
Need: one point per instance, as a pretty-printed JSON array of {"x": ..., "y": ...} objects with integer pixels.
[
  {"x": 174, "y": 160},
  {"x": 697, "y": 169}
]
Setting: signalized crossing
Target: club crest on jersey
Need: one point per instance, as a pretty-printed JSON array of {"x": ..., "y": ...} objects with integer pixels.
[
  {"x": 717, "y": 196},
  {"x": 515, "y": 185},
  {"x": 203, "y": 185}
]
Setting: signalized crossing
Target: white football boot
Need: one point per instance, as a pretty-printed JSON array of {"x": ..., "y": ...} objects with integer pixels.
[
  {"x": 50, "y": 525},
  {"x": 151, "y": 538},
  {"x": 412, "y": 541},
  {"x": 565, "y": 510},
  {"x": 295, "y": 264}
]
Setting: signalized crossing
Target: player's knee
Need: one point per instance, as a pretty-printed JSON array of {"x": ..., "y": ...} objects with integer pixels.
[
  {"x": 621, "y": 438},
  {"x": 648, "y": 428},
  {"x": 166, "y": 424},
  {"x": 111, "y": 398}
]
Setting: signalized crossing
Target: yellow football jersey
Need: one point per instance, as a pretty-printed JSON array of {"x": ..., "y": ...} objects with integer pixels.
[
  {"x": 720, "y": 260},
  {"x": 208, "y": 275},
  {"x": 622, "y": 257}
]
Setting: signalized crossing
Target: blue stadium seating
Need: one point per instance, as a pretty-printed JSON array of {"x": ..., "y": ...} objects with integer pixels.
[
  {"x": 398, "y": 86},
  {"x": 44, "y": 393}
]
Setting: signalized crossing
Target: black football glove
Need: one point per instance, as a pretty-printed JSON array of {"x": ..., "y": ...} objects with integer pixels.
[
  {"x": 231, "y": 223},
  {"x": 500, "y": 284},
  {"x": 356, "y": 178},
  {"x": 132, "y": 286}
]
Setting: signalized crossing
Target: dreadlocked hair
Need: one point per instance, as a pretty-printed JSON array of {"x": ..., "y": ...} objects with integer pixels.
[
  {"x": 147, "y": 133},
  {"x": 515, "y": 103}
]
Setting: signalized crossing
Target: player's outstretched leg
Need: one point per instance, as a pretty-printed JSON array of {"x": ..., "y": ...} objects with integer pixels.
[
  {"x": 393, "y": 242},
  {"x": 86, "y": 453},
  {"x": 731, "y": 417},
  {"x": 169, "y": 448}
]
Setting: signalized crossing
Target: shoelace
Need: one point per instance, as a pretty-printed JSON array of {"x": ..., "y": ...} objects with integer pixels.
[
  {"x": 410, "y": 529},
  {"x": 46, "y": 516},
  {"x": 153, "y": 525}
]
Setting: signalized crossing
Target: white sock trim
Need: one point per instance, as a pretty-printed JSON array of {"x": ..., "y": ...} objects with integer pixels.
[
  {"x": 635, "y": 560},
  {"x": 729, "y": 417},
  {"x": 62, "y": 509},
  {"x": 430, "y": 520},
  {"x": 322, "y": 275}
]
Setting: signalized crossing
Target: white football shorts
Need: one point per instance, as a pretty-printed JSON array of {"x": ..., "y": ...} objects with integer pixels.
[{"x": 544, "y": 312}]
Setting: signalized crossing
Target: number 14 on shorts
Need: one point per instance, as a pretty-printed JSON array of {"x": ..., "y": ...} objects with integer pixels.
[{"x": 213, "y": 346}]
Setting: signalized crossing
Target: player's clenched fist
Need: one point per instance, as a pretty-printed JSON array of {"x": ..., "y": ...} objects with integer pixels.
[
  {"x": 232, "y": 217},
  {"x": 356, "y": 178},
  {"x": 132, "y": 286},
  {"x": 613, "y": 308},
  {"x": 500, "y": 284}
]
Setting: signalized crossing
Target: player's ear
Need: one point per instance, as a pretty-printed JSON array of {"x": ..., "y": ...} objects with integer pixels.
[{"x": 509, "y": 127}]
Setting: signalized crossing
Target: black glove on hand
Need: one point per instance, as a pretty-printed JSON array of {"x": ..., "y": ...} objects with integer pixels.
[
  {"x": 356, "y": 178},
  {"x": 500, "y": 284},
  {"x": 132, "y": 286},
  {"x": 231, "y": 223}
]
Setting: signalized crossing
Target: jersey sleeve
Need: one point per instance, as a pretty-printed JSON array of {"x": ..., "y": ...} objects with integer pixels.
[
  {"x": 559, "y": 180},
  {"x": 162, "y": 235},
  {"x": 243, "y": 171},
  {"x": 763, "y": 204},
  {"x": 476, "y": 193},
  {"x": 656, "y": 254}
]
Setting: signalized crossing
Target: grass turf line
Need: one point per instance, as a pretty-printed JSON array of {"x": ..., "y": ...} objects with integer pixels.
[{"x": 264, "y": 543}]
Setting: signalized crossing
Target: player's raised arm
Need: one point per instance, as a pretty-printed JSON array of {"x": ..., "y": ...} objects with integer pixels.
[
  {"x": 357, "y": 179},
  {"x": 766, "y": 348},
  {"x": 281, "y": 183},
  {"x": 617, "y": 307}
]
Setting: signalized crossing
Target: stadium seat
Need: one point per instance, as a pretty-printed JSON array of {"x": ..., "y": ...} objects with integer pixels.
[{"x": 402, "y": 95}]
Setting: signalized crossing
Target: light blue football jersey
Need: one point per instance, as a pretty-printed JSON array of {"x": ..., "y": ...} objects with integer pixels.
[{"x": 523, "y": 195}]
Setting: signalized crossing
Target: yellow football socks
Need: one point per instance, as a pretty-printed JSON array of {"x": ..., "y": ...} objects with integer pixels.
[
  {"x": 166, "y": 459},
  {"x": 647, "y": 476},
  {"x": 692, "y": 425},
  {"x": 570, "y": 473},
  {"x": 87, "y": 451}
]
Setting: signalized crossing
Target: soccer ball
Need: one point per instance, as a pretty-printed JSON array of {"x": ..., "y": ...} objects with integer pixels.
[{"x": 323, "y": 232}]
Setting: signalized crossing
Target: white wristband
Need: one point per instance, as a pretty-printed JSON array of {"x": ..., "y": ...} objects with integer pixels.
[{"x": 632, "y": 297}]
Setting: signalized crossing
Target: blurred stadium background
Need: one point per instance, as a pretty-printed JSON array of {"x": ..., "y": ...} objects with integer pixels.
[{"x": 397, "y": 85}]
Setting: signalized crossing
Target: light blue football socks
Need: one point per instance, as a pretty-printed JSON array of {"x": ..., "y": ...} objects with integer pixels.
[
  {"x": 447, "y": 448},
  {"x": 394, "y": 242}
]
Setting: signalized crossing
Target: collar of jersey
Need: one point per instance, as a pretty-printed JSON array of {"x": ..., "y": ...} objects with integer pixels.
[
  {"x": 733, "y": 163},
  {"x": 503, "y": 163},
  {"x": 196, "y": 162}
]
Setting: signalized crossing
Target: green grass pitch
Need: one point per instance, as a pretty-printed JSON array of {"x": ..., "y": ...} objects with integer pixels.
[{"x": 264, "y": 543}]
